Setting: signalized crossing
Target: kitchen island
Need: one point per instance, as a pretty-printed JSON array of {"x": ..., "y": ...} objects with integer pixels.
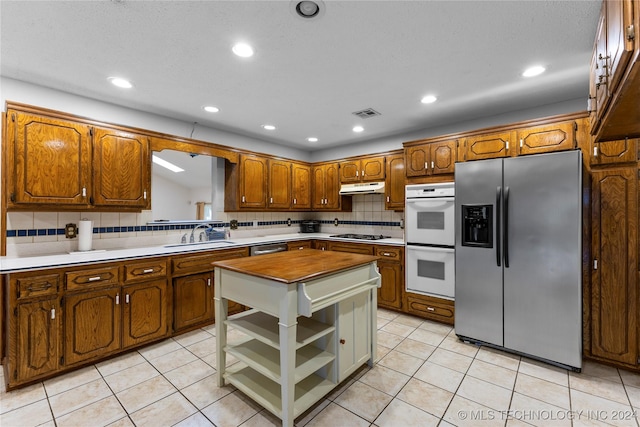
[{"x": 312, "y": 324}]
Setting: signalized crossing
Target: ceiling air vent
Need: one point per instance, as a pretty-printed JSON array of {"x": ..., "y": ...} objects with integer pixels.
[{"x": 366, "y": 113}]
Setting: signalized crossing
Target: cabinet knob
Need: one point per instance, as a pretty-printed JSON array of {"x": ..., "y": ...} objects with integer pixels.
[
  {"x": 295, "y": 201},
  {"x": 342, "y": 341},
  {"x": 243, "y": 199},
  {"x": 388, "y": 199},
  {"x": 426, "y": 165},
  {"x": 84, "y": 191}
]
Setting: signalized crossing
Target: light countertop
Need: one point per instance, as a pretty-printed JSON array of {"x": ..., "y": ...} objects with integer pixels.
[{"x": 14, "y": 264}]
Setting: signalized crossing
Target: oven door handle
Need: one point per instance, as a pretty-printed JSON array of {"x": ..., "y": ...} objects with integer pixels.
[
  {"x": 498, "y": 223},
  {"x": 423, "y": 248}
]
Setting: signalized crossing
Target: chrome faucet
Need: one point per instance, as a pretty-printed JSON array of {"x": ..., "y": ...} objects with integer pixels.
[{"x": 203, "y": 236}]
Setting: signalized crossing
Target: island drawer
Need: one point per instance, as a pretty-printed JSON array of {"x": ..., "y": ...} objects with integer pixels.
[{"x": 82, "y": 279}]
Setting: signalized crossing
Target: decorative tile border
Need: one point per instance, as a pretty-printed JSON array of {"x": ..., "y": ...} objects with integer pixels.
[{"x": 168, "y": 227}]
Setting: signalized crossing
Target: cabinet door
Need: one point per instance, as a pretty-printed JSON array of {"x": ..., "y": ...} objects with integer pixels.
[
  {"x": 51, "y": 160},
  {"x": 600, "y": 72},
  {"x": 253, "y": 182},
  {"x": 144, "y": 312},
  {"x": 92, "y": 325},
  {"x": 121, "y": 169},
  {"x": 487, "y": 146},
  {"x": 372, "y": 168},
  {"x": 39, "y": 332},
  {"x": 350, "y": 171},
  {"x": 279, "y": 185},
  {"x": 192, "y": 300},
  {"x": 443, "y": 156},
  {"x": 318, "y": 184},
  {"x": 321, "y": 245},
  {"x": 354, "y": 332},
  {"x": 417, "y": 159},
  {"x": 611, "y": 152},
  {"x": 390, "y": 291},
  {"x": 300, "y": 186},
  {"x": 332, "y": 187},
  {"x": 545, "y": 139},
  {"x": 619, "y": 47},
  {"x": 395, "y": 182},
  {"x": 614, "y": 267}
]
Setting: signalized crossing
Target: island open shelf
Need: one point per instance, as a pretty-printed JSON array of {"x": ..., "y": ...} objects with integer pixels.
[{"x": 312, "y": 324}]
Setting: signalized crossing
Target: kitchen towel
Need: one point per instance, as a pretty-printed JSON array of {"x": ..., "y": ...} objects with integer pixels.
[{"x": 85, "y": 234}]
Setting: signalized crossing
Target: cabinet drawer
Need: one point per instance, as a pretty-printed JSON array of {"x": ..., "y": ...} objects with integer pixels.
[
  {"x": 83, "y": 279},
  {"x": 353, "y": 248},
  {"x": 430, "y": 308},
  {"x": 37, "y": 286},
  {"x": 389, "y": 253},
  {"x": 145, "y": 270},
  {"x": 200, "y": 263},
  {"x": 298, "y": 246}
]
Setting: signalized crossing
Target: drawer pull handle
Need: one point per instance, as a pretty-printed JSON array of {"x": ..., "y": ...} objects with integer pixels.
[
  {"x": 431, "y": 309},
  {"x": 386, "y": 254},
  {"x": 53, "y": 313},
  {"x": 95, "y": 278},
  {"x": 39, "y": 288},
  {"x": 147, "y": 270},
  {"x": 126, "y": 298}
]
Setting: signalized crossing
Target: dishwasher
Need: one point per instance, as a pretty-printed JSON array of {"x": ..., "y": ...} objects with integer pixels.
[{"x": 268, "y": 249}]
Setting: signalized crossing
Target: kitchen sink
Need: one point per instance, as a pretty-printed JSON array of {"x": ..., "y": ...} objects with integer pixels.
[{"x": 211, "y": 243}]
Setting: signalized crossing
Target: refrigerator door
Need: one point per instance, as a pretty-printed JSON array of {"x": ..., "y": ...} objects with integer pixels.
[
  {"x": 542, "y": 274},
  {"x": 478, "y": 289}
]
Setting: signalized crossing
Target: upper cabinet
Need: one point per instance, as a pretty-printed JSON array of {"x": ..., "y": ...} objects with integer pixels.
[
  {"x": 246, "y": 184},
  {"x": 487, "y": 146},
  {"x": 48, "y": 161},
  {"x": 395, "y": 182},
  {"x": 614, "y": 87},
  {"x": 431, "y": 158},
  {"x": 611, "y": 152},
  {"x": 363, "y": 169},
  {"x": 121, "y": 169},
  {"x": 300, "y": 186},
  {"x": 326, "y": 189},
  {"x": 279, "y": 184},
  {"x": 543, "y": 139},
  {"x": 63, "y": 164}
]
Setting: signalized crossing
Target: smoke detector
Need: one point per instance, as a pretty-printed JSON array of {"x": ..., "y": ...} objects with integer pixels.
[{"x": 307, "y": 9}]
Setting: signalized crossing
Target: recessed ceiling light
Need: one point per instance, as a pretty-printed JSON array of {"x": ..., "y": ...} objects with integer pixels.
[
  {"x": 428, "y": 99},
  {"x": 161, "y": 162},
  {"x": 533, "y": 71},
  {"x": 358, "y": 129},
  {"x": 211, "y": 109},
  {"x": 312, "y": 139},
  {"x": 307, "y": 9},
  {"x": 243, "y": 50},
  {"x": 120, "y": 82},
  {"x": 269, "y": 127}
]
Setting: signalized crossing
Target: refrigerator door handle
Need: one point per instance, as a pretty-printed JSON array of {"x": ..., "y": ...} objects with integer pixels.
[
  {"x": 498, "y": 200},
  {"x": 506, "y": 227}
]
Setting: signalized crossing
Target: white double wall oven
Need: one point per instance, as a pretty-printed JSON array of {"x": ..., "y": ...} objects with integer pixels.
[{"x": 430, "y": 239}]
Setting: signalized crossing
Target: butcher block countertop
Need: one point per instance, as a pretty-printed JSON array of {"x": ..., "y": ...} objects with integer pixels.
[{"x": 295, "y": 266}]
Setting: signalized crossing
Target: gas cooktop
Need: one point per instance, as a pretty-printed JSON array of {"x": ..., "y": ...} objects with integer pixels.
[{"x": 361, "y": 236}]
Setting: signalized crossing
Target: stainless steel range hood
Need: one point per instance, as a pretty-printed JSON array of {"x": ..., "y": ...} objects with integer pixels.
[{"x": 365, "y": 188}]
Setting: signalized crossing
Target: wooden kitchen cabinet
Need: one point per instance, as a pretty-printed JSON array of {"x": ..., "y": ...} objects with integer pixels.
[
  {"x": 144, "y": 316},
  {"x": 395, "y": 182},
  {"x": 39, "y": 333},
  {"x": 432, "y": 158},
  {"x": 253, "y": 179},
  {"x": 428, "y": 307},
  {"x": 279, "y": 193},
  {"x": 614, "y": 265},
  {"x": 326, "y": 189},
  {"x": 193, "y": 288},
  {"x": 299, "y": 245},
  {"x": 300, "y": 186},
  {"x": 614, "y": 86},
  {"x": 612, "y": 152},
  {"x": 121, "y": 169},
  {"x": 48, "y": 161},
  {"x": 354, "y": 248},
  {"x": 547, "y": 138},
  {"x": 363, "y": 169},
  {"x": 390, "y": 266},
  {"x": 487, "y": 146},
  {"x": 93, "y": 325}
]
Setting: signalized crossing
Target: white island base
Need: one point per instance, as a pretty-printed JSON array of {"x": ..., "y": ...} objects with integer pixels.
[{"x": 305, "y": 337}]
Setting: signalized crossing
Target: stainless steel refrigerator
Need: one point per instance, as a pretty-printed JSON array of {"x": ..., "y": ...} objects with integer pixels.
[{"x": 518, "y": 255}]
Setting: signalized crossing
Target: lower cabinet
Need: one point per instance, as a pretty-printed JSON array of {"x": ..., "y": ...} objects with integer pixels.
[
  {"x": 38, "y": 339},
  {"x": 144, "y": 315},
  {"x": 390, "y": 266},
  {"x": 432, "y": 308},
  {"x": 614, "y": 267},
  {"x": 193, "y": 300},
  {"x": 354, "y": 334}
]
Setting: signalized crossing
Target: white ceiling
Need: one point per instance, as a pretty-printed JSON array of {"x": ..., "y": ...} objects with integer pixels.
[{"x": 307, "y": 76}]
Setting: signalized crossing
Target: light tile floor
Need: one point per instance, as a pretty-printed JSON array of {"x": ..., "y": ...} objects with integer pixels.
[{"x": 424, "y": 376}]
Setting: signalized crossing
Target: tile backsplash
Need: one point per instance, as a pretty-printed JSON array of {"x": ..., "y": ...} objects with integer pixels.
[{"x": 42, "y": 233}]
